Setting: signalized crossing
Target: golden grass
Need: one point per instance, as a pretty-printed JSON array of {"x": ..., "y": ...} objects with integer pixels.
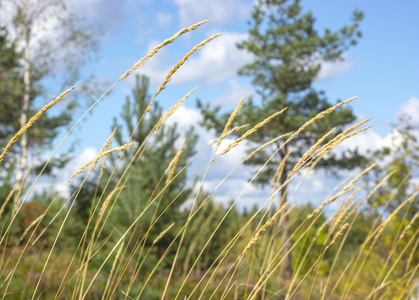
[
  {"x": 230, "y": 120},
  {"x": 259, "y": 233},
  {"x": 93, "y": 161},
  {"x": 181, "y": 62},
  {"x": 250, "y": 131},
  {"x": 115, "y": 262},
  {"x": 171, "y": 111},
  {"x": 31, "y": 121},
  {"x": 6, "y": 201},
  {"x": 156, "y": 49},
  {"x": 173, "y": 163},
  {"x": 346, "y": 189}
]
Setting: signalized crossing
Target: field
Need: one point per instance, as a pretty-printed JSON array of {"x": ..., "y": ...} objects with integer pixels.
[{"x": 123, "y": 235}]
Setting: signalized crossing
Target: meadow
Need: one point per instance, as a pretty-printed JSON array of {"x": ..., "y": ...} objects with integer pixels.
[{"x": 122, "y": 235}]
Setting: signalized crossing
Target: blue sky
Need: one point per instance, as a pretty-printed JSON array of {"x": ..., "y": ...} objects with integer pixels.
[{"x": 383, "y": 69}]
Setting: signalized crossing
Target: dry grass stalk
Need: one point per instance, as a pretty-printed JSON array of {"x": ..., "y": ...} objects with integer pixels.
[
  {"x": 342, "y": 229},
  {"x": 316, "y": 145},
  {"x": 34, "y": 222},
  {"x": 380, "y": 184},
  {"x": 173, "y": 163},
  {"x": 409, "y": 225},
  {"x": 337, "y": 217},
  {"x": 340, "y": 140},
  {"x": 343, "y": 209},
  {"x": 342, "y": 136},
  {"x": 171, "y": 111},
  {"x": 306, "y": 155},
  {"x": 353, "y": 181},
  {"x": 320, "y": 153},
  {"x": 331, "y": 199},
  {"x": 108, "y": 144},
  {"x": 409, "y": 260},
  {"x": 259, "y": 233},
  {"x": 163, "y": 233},
  {"x": 99, "y": 156},
  {"x": 113, "y": 269},
  {"x": 340, "y": 232},
  {"x": 156, "y": 49},
  {"x": 294, "y": 134},
  {"x": 383, "y": 225},
  {"x": 32, "y": 120},
  {"x": 320, "y": 229},
  {"x": 375, "y": 232},
  {"x": 279, "y": 170},
  {"x": 3, "y": 206},
  {"x": 230, "y": 120},
  {"x": 250, "y": 131},
  {"x": 19, "y": 192},
  {"x": 266, "y": 145},
  {"x": 349, "y": 211},
  {"x": 236, "y": 128},
  {"x": 320, "y": 115},
  {"x": 345, "y": 190},
  {"x": 107, "y": 200},
  {"x": 181, "y": 62}
]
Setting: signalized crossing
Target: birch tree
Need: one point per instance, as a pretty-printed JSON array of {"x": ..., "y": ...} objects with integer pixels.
[{"x": 54, "y": 43}]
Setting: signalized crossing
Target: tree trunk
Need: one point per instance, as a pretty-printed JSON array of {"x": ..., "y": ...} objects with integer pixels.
[
  {"x": 287, "y": 263},
  {"x": 23, "y": 118}
]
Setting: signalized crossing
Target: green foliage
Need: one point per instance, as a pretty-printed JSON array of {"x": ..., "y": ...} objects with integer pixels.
[
  {"x": 310, "y": 245},
  {"x": 40, "y": 58},
  {"x": 202, "y": 227},
  {"x": 10, "y": 86},
  {"x": 401, "y": 159},
  {"x": 155, "y": 151},
  {"x": 147, "y": 190},
  {"x": 143, "y": 207},
  {"x": 287, "y": 53}
]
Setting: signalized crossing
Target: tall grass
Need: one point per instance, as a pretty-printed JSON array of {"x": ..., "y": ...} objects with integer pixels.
[{"x": 103, "y": 262}]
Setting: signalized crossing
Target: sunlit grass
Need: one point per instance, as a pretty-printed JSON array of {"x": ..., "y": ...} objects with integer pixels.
[{"x": 41, "y": 258}]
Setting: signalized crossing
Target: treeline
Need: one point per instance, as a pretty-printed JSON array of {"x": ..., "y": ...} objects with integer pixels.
[
  {"x": 134, "y": 227},
  {"x": 137, "y": 225}
]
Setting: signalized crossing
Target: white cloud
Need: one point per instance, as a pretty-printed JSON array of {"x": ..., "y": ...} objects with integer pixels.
[
  {"x": 219, "y": 11},
  {"x": 330, "y": 70},
  {"x": 186, "y": 117},
  {"x": 364, "y": 141},
  {"x": 61, "y": 176},
  {"x": 164, "y": 19},
  {"x": 313, "y": 188},
  {"x": 216, "y": 61},
  {"x": 233, "y": 93},
  {"x": 50, "y": 45},
  {"x": 76, "y": 163},
  {"x": 231, "y": 188},
  {"x": 106, "y": 14},
  {"x": 411, "y": 109}
]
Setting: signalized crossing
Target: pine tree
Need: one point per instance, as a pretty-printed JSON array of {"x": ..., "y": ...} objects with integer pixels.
[
  {"x": 41, "y": 50},
  {"x": 10, "y": 85},
  {"x": 288, "y": 53},
  {"x": 147, "y": 177},
  {"x": 10, "y": 91}
]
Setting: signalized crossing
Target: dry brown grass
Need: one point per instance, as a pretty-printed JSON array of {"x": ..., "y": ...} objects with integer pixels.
[{"x": 247, "y": 265}]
